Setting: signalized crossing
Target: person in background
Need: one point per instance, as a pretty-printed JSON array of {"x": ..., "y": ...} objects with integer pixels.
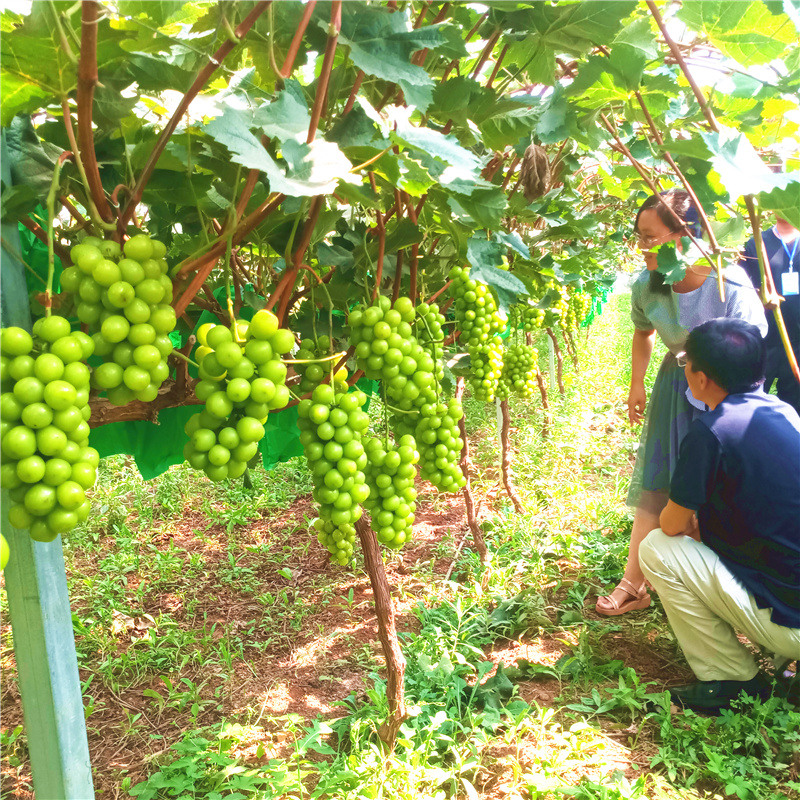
[
  {"x": 783, "y": 254},
  {"x": 735, "y": 566},
  {"x": 671, "y": 311}
]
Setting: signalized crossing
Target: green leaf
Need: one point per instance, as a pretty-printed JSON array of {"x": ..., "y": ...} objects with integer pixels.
[
  {"x": 357, "y": 129},
  {"x": 382, "y": 44},
  {"x": 508, "y": 128},
  {"x": 484, "y": 207},
  {"x": 557, "y": 119},
  {"x": 746, "y": 32},
  {"x": 738, "y": 164},
  {"x": 287, "y": 117},
  {"x": 671, "y": 263},
  {"x": 446, "y": 158},
  {"x": 17, "y": 202},
  {"x": 403, "y": 234},
  {"x": 158, "y": 12},
  {"x": 514, "y": 241},
  {"x": 486, "y": 259},
  {"x": 632, "y": 49},
  {"x": 784, "y": 199},
  {"x": 314, "y": 168},
  {"x": 32, "y": 159}
]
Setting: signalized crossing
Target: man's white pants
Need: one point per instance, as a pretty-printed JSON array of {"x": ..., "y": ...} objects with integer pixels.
[{"x": 706, "y": 607}]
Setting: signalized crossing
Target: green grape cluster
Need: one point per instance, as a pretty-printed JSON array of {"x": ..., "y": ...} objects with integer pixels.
[
  {"x": 479, "y": 321},
  {"x": 556, "y": 312},
  {"x": 578, "y": 308},
  {"x": 519, "y": 371},
  {"x": 486, "y": 366},
  {"x": 440, "y": 445},
  {"x": 242, "y": 378},
  {"x": 123, "y": 297},
  {"x": 387, "y": 350},
  {"x": 332, "y": 425},
  {"x": 312, "y": 373},
  {"x": 428, "y": 328},
  {"x": 391, "y": 470},
  {"x": 44, "y": 411},
  {"x": 526, "y": 318}
]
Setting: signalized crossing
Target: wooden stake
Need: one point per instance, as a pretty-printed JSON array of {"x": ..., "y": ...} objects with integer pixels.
[
  {"x": 472, "y": 519},
  {"x": 384, "y": 609},
  {"x": 506, "y": 457}
]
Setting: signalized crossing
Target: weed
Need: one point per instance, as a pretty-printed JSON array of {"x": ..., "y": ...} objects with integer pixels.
[
  {"x": 747, "y": 749},
  {"x": 207, "y": 768}
]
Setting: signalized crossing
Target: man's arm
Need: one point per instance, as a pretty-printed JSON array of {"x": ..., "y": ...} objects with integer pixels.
[{"x": 676, "y": 520}]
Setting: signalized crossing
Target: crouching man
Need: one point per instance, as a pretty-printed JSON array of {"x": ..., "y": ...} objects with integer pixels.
[{"x": 735, "y": 566}]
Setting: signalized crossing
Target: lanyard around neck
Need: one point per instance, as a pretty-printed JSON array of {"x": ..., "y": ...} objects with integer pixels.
[{"x": 790, "y": 255}]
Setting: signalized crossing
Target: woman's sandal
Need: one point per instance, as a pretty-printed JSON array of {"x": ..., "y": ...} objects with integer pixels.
[{"x": 638, "y": 598}]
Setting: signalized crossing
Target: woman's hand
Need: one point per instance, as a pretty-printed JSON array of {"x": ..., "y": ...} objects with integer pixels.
[{"x": 637, "y": 399}]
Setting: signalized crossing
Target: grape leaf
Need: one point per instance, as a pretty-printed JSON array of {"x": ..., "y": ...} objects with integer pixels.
[
  {"x": 382, "y": 44},
  {"x": 483, "y": 208},
  {"x": 313, "y": 168},
  {"x": 784, "y": 199},
  {"x": 486, "y": 259},
  {"x": 739, "y": 166}
]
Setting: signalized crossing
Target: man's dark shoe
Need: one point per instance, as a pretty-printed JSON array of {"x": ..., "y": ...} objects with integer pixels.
[
  {"x": 787, "y": 686},
  {"x": 711, "y": 697}
]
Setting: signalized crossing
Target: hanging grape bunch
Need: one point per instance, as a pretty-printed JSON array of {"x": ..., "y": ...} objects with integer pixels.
[
  {"x": 579, "y": 306},
  {"x": 519, "y": 371},
  {"x": 331, "y": 426},
  {"x": 391, "y": 470},
  {"x": 123, "y": 296},
  {"x": 556, "y": 313},
  {"x": 521, "y": 359},
  {"x": 439, "y": 445},
  {"x": 430, "y": 334},
  {"x": 242, "y": 379},
  {"x": 479, "y": 321},
  {"x": 526, "y": 318},
  {"x": 44, "y": 410},
  {"x": 387, "y": 350},
  {"x": 311, "y": 373}
]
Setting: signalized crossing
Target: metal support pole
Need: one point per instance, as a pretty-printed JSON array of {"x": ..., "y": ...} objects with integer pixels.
[
  {"x": 499, "y": 411},
  {"x": 41, "y": 619},
  {"x": 551, "y": 363}
]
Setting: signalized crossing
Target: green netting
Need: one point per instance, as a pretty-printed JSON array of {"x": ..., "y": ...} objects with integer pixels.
[{"x": 156, "y": 447}]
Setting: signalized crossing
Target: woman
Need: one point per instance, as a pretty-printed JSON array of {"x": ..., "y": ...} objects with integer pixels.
[{"x": 671, "y": 311}]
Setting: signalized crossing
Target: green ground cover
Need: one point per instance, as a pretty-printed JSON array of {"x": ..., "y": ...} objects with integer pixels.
[{"x": 195, "y": 605}]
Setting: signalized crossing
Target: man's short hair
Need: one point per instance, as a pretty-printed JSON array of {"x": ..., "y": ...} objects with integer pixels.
[{"x": 729, "y": 351}]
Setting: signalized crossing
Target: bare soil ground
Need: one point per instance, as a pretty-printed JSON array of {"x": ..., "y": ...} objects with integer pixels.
[{"x": 306, "y": 672}]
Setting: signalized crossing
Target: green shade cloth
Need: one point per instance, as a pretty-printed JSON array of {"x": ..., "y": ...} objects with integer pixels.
[{"x": 157, "y": 447}]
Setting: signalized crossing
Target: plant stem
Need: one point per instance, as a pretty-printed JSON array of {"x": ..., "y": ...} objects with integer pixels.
[
  {"x": 208, "y": 70},
  {"x": 87, "y": 80},
  {"x": 51, "y": 218},
  {"x": 325, "y": 72}
]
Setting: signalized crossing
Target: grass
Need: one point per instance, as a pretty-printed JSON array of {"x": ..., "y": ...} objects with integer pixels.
[{"x": 194, "y": 604}]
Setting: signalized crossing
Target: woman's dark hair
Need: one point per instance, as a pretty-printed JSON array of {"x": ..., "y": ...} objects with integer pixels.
[
  {"x": 729, "y": 351},
  {"x": 680, "y": 203}
]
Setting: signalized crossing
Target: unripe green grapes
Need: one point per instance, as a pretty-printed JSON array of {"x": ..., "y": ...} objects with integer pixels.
[
  {"x": 439, "y": 445},
  {"x": 242, "y": 379},
  {"x": 332, "y": 426},
  {"x": 47, "y": 463},
  {"x": 479, "y": 320},
  {"x": 391, "y": 470},
  {"x": 519, "y": 371},
  {"x": 123, "y": 295},
  {"x": 312, "y": 373},
  {"x": 527, "y": 318},
  {"x": 579, "y": 305}
]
